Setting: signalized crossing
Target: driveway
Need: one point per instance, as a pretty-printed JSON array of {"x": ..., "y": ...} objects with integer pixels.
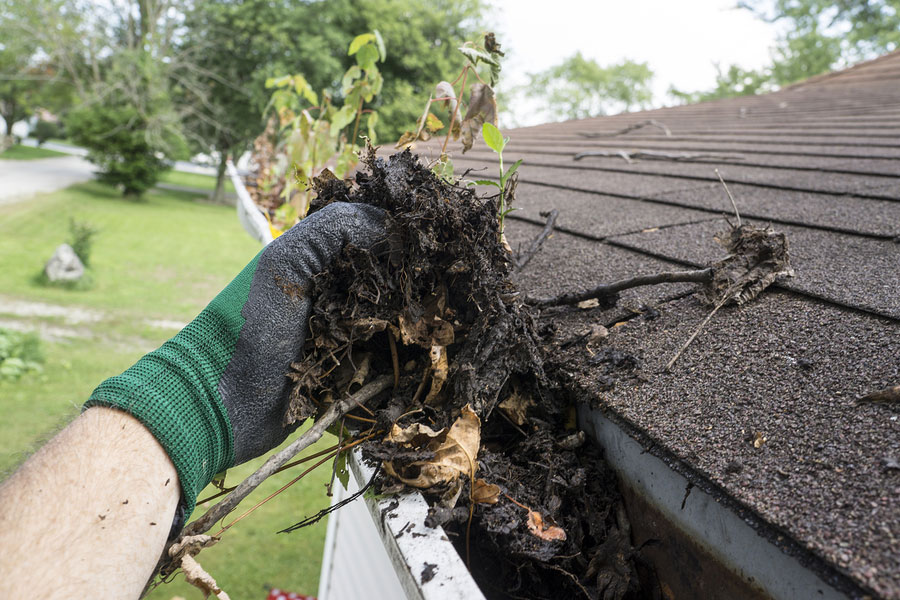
[{"x": 20, "y": 179}]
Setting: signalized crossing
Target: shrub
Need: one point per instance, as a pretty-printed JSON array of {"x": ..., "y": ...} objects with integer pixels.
[
  {"x": 81, "y": 239},
  {"x": 44, "y": 130},
  {"x": 117, "y": 141},
  {"x": 20, "y": 353}
]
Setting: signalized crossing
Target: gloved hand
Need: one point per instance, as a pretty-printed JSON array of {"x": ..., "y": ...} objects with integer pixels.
[{"x": 215, "y": 394}]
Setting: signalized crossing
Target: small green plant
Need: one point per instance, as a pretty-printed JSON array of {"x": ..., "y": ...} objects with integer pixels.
[
  {"x": 496, "y": 142},
  {"x": 81, "y": 240},
  {"x": 20, "y": 353},
  {"x": 314, "y": 133},
  {"x": 481, "y": 107}
]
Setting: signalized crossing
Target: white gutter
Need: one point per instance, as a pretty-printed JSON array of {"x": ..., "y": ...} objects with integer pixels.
[
  {"x": 249, "y": 215},
  {"x": 380, "y": 547}
]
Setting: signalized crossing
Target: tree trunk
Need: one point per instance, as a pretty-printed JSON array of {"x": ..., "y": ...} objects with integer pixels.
[{"x": 218, "y": 195}]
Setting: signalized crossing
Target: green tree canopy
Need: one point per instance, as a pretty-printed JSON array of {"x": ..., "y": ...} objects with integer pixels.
[
  {"x": 817, "y": 36},
  {"x": 580, "y": 87}
]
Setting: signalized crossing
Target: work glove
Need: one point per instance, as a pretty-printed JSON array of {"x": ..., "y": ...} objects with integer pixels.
[{"x": 215, "y": 394}]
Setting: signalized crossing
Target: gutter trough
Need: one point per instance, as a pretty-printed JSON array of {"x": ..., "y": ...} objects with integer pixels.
[{"x": 700, "y": 546}]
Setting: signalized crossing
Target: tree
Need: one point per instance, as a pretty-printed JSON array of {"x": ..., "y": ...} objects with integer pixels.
[
  {"x": 232, "y": 47},
  {"x": 818, "y": 36},
  {"x": 27, "y": 81},
  {"x": 734, "y": 81},
  {"x": 579, "y": 87}
]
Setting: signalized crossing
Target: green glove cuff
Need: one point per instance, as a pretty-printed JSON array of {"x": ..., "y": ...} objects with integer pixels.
[{"x": 174, "y": 392}]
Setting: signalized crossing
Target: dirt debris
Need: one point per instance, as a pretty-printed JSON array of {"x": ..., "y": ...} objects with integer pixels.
[{"x": 540, "y": 519}]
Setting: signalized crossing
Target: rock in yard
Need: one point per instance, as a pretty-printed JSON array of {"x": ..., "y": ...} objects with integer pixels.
[{"x": 64, "y": 265}]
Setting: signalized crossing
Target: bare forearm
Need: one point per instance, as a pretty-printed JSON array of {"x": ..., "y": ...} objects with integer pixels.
[{"x": 88, "y": 514}]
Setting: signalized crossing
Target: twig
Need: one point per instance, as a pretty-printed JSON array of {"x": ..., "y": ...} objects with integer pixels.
[
  {"x": 632, "y": 155},
  {"x": 537, "y": 242},
  {"x": 730, "y": 197},
  {"x": 327, "y": 511},
  {"x": 608, "y": 289},
  {"x": 696, "y": 332},
  {"x": 395, "y": 360},
  {"x": 642, "y": 124},
  {"x": 311, "y": 436}
]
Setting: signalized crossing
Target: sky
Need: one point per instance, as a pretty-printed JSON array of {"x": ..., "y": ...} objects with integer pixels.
[{"x": 680, "y": 39}]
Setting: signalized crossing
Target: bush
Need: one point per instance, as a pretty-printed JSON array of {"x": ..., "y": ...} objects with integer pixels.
[
  {"x": 117, "y": 141},
  {"x": 81, "y": 240},
  {"x": 44, "y": 130},
  {"x": 20, "y": 353}
]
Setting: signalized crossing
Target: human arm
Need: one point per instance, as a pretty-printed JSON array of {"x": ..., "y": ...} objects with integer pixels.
[
  {"x": 213, "y": 396},
  {"x": 89, "y": 513}
]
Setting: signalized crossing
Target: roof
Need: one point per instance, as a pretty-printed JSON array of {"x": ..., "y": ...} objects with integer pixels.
[{"x": 820, "y": 161}]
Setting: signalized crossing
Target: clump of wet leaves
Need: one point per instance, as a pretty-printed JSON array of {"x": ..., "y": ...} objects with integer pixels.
[{"x": 472, "y": 421}]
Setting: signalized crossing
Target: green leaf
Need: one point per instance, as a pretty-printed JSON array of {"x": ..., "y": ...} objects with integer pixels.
[
  {"x": 342, "y": 118},
  {"x": 360, "y": 41},
  {"x": 352, "y": 74},
  {"x": 371, "y": 122},
  {"x": 278, "y": 81},
  {"x": 486, "y": 182},
  {"x": 509, "y": 172},
  {"x": 367, "y": 56},
  {"x": 444, "y": 168},
  {"x": 379, "y": 41},
  {"x": 492, "y": 137},
  {"x": 474, "y": 55},
  {"x": 340, "y": 469}
]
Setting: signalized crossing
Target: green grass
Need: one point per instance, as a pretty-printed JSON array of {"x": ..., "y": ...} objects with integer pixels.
[
  {"x": 162, "y": 258},
  {"x": 20, "y": 152},
  {"x": 194, "y": 180},
  {"x": 252, "y": 555}
]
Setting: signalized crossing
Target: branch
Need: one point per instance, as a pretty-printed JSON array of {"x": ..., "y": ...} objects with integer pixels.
[
  {"x": 631, "y": 156},
  {"x": 609, "y": 289},
  {"x": 311, "y": 436},
  {"x": 642, "y": 124},
  {"x": 537, "y": 242}
]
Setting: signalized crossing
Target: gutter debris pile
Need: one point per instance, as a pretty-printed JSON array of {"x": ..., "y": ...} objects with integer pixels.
[{"x": 474, "y": 420}]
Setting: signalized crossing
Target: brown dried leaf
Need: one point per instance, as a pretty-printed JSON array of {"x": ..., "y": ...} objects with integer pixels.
[
  {"x": 406, "y": 139},
  {"x": 482, "y": 109},
  {"x": 516, "y": 407},
  {"x": 542, "y": 530},
  {"x": 432, "y": 123},
  {"x": 757, "y": 256},
  {"x": 439, "y": 369},
  {"x": 454, "y": 450},
  {"x": 445, "y": 90},
  {"x": 485, "y": 493}
]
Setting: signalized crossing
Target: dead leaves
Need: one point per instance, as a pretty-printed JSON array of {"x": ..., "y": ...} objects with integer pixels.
[
  {"x": 545, "y": 531},
  {"x": 482, "y": 109},
  {"x": 455, "y": 450},
  {"x": 757, "y": 256},
  {"x": 485, "y": 493},
  {"x": 516, "y": 406}
]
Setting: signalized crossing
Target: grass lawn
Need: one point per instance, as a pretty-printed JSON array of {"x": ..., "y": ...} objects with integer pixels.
[
  {"x": 20, "y": 152},
  {"x": 194, "y": 180},
  {"x": 161, "y": 258}
]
